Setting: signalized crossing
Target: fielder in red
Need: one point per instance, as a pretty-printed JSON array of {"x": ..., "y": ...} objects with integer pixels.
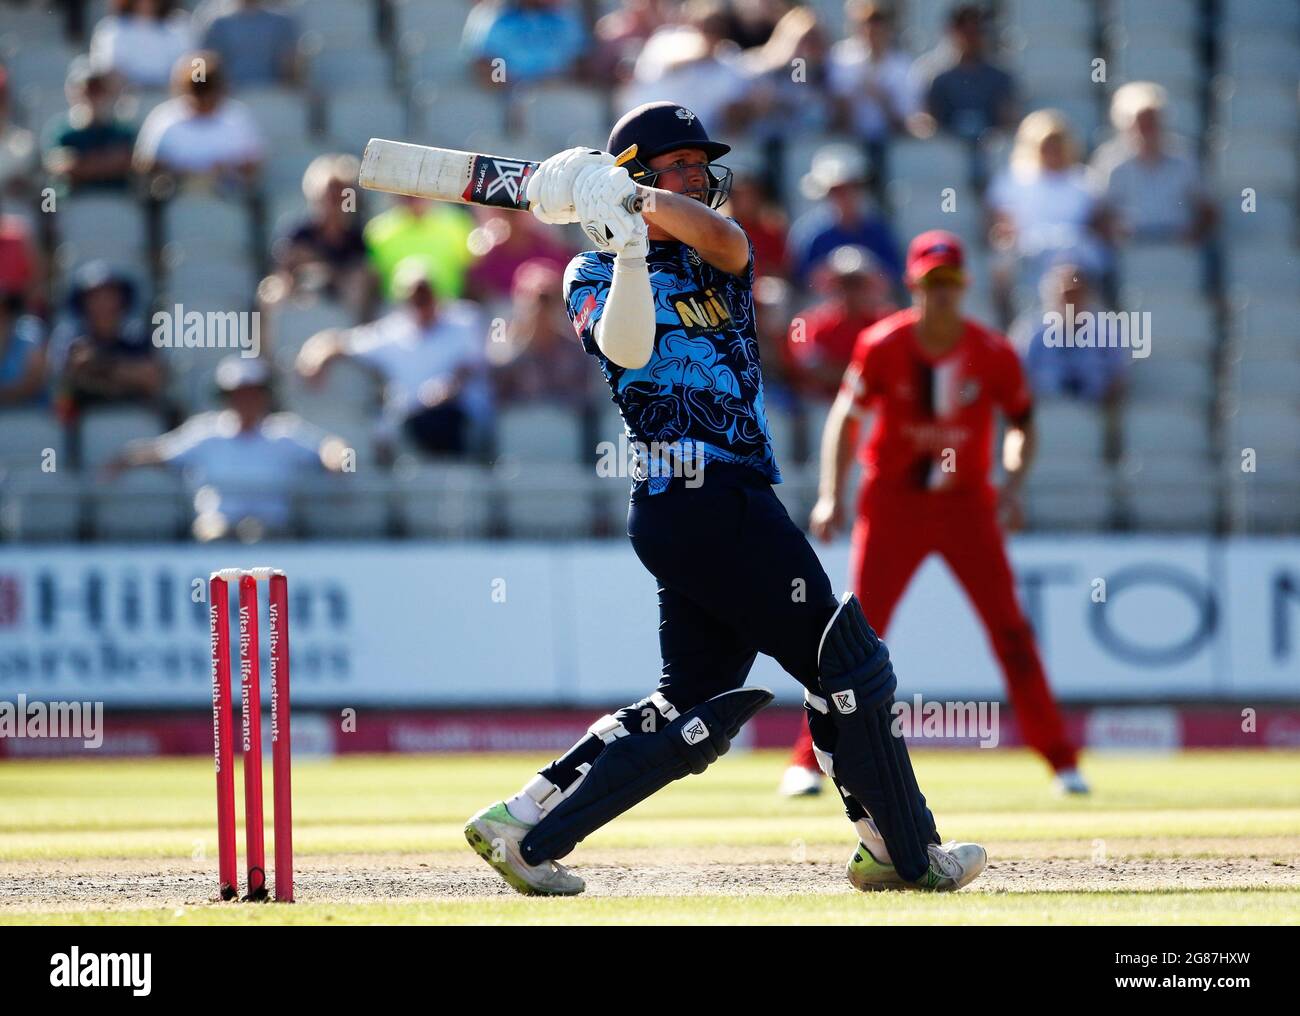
[{"x": 933, "y": 382}]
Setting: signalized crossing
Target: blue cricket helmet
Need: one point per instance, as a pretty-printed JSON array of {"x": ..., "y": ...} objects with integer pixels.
[{"x": 659, "y": 127}]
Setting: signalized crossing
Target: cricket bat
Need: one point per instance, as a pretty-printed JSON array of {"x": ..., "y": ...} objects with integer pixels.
[{"x": 444, "y": 174}]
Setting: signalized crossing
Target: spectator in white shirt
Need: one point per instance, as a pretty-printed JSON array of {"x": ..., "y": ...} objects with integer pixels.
[
  {"x": 1150, "y": 182},
  {"x": 199, "y": 133},
  {"x": 788, "y": 80},
  {"x": 243, "y": 460},
  {"x": 1045, "y": 202},
  {"x": 870, "y": 77},
  {"x": 431, "y": 357},
  {"x": 142, "y": 40},
  {"x": 693, "y": 64}
]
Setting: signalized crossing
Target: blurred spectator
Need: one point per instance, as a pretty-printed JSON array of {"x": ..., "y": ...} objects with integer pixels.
[
  {"x": 764, "y": 221},
  {"x": 532, "y": 39},
  {"x": 1092, "y": 370},
  {"x": 258, "y": 46},
  {"x": 870, "y": 76},
  {"x": 752, "y": 22},
  {"x": 21, "y": 270},
  {"x": 821, "y": 339},
  {"x": 622, "y": 33},
  {"x": 435, "y": 231},
  {"x": 22, "y": 357},
  {"x": 431, "y": 356},
  {"x": 789, "y": 90},
  {"x": 1045, "y": 202},
  {"x": 200, "y": 133},
  {"x": 1149, "y": 181},
  {"x": 844, "y": 214},
  {"x": 142, "y": 40},
  {"x": 241, "y": 460},
  {"x": 89, "y": 147},
  {"x": 693, "y": 64},
  {"x": 771, "y": 323},
  {"x": 18, "y": 156},
  {"x": 970, "y": 96},
  {"x": 501, "y": 244},
  {"x": 103, "y": 353},
  {"x": 326, "y": 248},
  {"x": 539, "y": 359}
]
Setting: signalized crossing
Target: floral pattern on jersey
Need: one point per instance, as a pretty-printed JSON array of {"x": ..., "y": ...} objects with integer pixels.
[{"x": 703, "y": 384}]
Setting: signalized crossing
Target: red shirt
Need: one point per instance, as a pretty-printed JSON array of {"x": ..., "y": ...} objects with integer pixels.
[
  {"x": 824, "y": 335},
  {"x": 768, "y": 235},
  {"x": 934, "y": 416}
]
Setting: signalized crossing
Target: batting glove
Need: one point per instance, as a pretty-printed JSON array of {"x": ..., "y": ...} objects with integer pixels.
[
  {"x": 551, "y": 187},
  {"x": 600, "y": 200}
]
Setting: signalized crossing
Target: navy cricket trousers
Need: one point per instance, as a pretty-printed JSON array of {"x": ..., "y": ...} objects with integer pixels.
[{"x": 736, "y": 578}]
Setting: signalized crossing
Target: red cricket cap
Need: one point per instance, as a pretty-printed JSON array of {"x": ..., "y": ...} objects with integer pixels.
[{"x": 935, "y": 248}]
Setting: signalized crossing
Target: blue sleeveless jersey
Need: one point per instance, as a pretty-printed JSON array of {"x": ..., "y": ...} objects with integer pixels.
[{"x": 702, "y": 391}]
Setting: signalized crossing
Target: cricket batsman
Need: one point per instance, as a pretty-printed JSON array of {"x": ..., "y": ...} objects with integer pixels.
[
  {"x": 664, "y": 304},
  {"x": 934, "y": 382}
]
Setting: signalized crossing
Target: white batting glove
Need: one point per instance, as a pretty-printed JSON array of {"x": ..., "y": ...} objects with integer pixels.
[
  {"x": 551, "y": 187},
  {"x": 599, "y": 199}
]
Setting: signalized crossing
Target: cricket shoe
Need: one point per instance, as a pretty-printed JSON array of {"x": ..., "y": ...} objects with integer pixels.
[
  {"x": 800, "y": 781},
  {"x": 495, "y": 835},
  {"x": 1070, "y": 782},
  {"x": 952, "y": 866}
]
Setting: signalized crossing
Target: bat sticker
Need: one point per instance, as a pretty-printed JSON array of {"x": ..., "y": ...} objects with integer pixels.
[{"x": 501, "y": 183}]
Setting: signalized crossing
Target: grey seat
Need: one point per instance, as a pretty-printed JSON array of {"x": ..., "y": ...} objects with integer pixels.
[
  {"x": 145, "y": 504},
  {"x": 40, "y": 507}
]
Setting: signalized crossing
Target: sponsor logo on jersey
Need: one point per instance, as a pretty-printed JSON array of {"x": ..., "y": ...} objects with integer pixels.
[
  {"x": 705, "y": 311},
  {"x": 584, "y": 314}
]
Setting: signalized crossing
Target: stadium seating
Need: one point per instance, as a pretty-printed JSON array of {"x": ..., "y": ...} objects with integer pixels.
[
  {"x": 445, "y": 501},
  {"x": 1223, "y": 374},
  {"x": 281, "y": 113},
  {"x": 351, "y": 67},
  {"x": 1069, "y": 430},
  {"x": 1172, "y": 494},
  {"x": 546, "y": 501},
  {"x": 343, "y": 508},
  {"x": 146, "y": 504},
  {"x": 103, "y": 433},
  {"x": 337, "y": 21},
  {"x": 37, "y": 506},
  {"x": 28, "y": 433},
  {"x": 1062, "y": 493},
  {"x": 208, "y": 227},
  {"x": 364, "y": 113},
  {"x": 539, "y": 434},
  {"x": 110, "y": 227}
]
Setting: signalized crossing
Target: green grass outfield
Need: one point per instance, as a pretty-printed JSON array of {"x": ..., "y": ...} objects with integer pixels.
[{"x": 1199, "y": 837}]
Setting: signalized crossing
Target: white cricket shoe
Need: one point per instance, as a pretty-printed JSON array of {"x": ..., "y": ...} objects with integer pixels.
[
  {"x": 799, "y": 781},
  {"x": 495, "y": 835},
  {"x": 1071, "y": 781}
]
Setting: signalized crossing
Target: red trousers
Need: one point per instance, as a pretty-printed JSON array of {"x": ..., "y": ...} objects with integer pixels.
[{"x": 895, "y": 532}]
